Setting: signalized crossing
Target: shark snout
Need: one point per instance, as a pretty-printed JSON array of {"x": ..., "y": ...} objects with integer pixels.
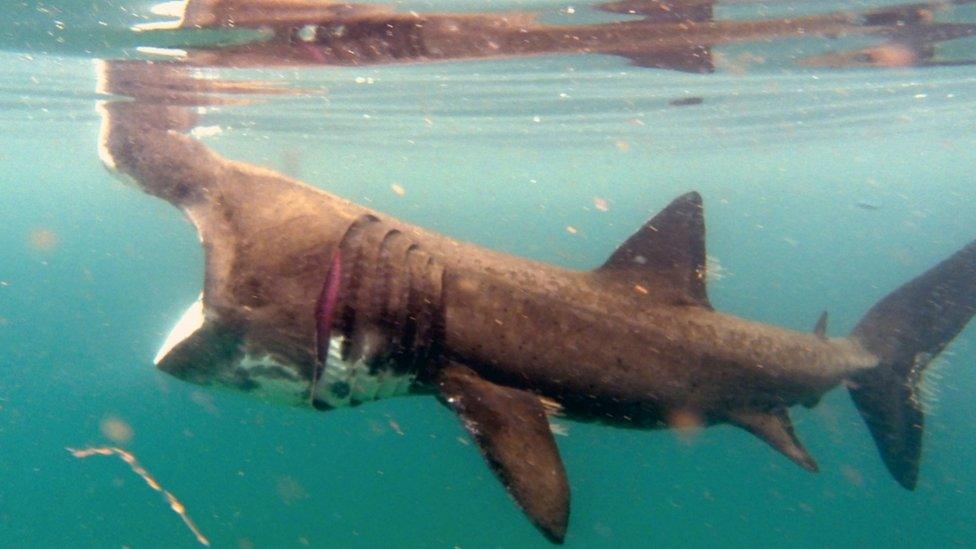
[{"x": 197, "y": 349}]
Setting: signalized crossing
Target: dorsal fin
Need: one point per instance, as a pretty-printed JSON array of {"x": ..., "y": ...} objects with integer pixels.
[
  {"x": 666, "y": 256},
  {"x": 820, "y": 328},
  {"x": 776, "y": 429}
]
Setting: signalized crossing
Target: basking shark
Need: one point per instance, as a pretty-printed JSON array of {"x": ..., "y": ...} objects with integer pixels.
[{"x": 325, "y": 303}]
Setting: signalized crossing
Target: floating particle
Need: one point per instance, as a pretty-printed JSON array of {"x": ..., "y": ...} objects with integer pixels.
[
  {"x": 396, "y": 427},
  {"x": 686, "y": 424},
  {"x": 43, "y": 240},
  {"x": 601, "y": 204},
  {"x": 399, "y": 190},
  {"x": 852, "y": 475},
  {"x": 686, "y": 101},
  {"x": 375, "y": 427},
  {"x": 289, "y": 490},
  {"x": 684, "y": 419},
  {"x": 640, "y": 289},
  {"x": 571, "y": 229},
  {"x": 116, "y": 430},
  {"x": 622, "y": 145},
  {"x": 138, "y": 469},
  {"x": 205, "y": 401}
]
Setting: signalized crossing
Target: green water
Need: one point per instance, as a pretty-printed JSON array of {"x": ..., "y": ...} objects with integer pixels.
[{"x": 508, "y": 154}]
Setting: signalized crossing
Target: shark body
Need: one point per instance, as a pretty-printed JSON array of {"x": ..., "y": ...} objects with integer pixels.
[{"x": 331, "y": 304}]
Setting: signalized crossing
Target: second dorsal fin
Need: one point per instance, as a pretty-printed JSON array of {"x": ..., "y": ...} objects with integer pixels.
[
  {"x": 666, "y": 256},
  {"x": 820, "y": 328}
]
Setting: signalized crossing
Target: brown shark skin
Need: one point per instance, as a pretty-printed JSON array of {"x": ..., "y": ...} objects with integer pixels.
[
  {"x": 600, "y": 360},
  {"x": 634, "y": 343}
]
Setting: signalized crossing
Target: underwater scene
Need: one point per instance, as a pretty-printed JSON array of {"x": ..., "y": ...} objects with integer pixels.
[{"x": 498, "y": 273}]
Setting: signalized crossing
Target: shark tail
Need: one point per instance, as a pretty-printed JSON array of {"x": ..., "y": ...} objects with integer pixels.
[{"x": 906, "y": 330}]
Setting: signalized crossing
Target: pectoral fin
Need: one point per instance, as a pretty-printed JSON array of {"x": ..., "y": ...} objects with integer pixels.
[{"x": 511, "y": 428}]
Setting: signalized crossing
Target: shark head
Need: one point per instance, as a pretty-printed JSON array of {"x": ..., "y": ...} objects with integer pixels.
[{"x": 205, "y": 350}]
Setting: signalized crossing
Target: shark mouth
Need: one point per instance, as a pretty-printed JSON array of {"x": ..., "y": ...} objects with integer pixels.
[
  {"x": 343, "y": 381},
  {"x": 184, "y": 354}
]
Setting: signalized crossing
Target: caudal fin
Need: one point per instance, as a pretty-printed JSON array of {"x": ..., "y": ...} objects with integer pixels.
[{"x": 906, "y": 330}]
